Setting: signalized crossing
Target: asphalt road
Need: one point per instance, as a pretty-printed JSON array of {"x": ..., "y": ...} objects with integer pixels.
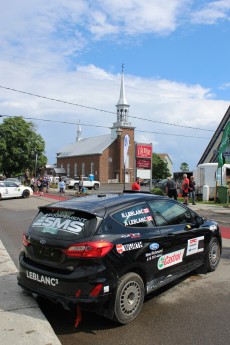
[{"x": 195, "y": 310}]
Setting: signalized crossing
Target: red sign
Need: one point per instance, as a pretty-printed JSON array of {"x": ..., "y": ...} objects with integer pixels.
[
  {"x": 143, "y": 163},
  {"x": 143, "y": 151}
]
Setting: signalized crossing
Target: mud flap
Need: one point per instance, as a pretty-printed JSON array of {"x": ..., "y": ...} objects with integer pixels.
[{"x": 78, "y": 317}]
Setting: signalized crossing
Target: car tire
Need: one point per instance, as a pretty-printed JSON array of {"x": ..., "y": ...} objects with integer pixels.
[
  {"x": 96, "y": 186},
  {"x": 26, "y": 193},
  {"x": 129, "y": 298},
  {"x": 213, "y": 255},
  {"x": 76, "y": 186}
]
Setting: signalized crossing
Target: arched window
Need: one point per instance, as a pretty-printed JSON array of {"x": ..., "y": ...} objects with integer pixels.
[
  {"x": 92, "y": 168},
  {"x": 83, "y": 169},
  {"x": 68, "y": 169},
  {"x": 75, "y": 169}
]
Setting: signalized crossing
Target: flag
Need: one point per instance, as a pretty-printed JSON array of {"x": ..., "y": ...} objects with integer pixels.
[
  {"x": 225, "y": 141},
  {"x": 126, "y": 146}
]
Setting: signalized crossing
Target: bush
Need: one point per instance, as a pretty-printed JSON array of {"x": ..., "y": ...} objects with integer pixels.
[{"x": 157, "y": 191}]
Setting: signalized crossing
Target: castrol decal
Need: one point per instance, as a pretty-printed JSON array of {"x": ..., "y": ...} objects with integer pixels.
[{"x": 170, "y": 259}]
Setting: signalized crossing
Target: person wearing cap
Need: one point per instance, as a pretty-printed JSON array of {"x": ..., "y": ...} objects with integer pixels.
[{"x": 136, "y": 184}]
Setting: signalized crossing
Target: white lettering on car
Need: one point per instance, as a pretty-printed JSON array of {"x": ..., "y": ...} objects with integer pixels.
[
  {"x": 68, "y": 225},
  {"x": 42, "y": 279}
]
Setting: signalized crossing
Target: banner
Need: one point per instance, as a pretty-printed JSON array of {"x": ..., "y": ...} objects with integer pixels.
[
  {"x": 225, "y": 141},
  {"x": 126, "y": 146}
]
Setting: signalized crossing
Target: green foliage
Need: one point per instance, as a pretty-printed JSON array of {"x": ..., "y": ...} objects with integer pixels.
[
  {"x": 157, "y": 191},
  {"x": 19, "y": 145},
  {"x": 184, "y": 166},
  {"x": 159, "y": 168}
]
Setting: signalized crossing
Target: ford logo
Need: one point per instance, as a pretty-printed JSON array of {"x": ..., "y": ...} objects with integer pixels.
[
  {"x": 43, "y": 241},
  {"x": 154, "y": 246}
]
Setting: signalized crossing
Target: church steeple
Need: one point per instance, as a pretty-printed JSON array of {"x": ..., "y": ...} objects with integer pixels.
[
  {"x": 79, "y": 133},
  {"x": 122, "y": 106}
]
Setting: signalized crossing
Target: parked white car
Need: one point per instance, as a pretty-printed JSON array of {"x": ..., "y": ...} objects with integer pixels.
[
  {"x": 9, "y": 189},
  {"x": 87, "y": 183}
]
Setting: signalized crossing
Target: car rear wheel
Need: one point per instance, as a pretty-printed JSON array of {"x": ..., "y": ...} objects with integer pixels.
[
  {"x": 76, "y": 186},
  {"x": 213, "y": 255},
  {"x": 129, "y": 298},
  {"x": 96, "y": 186},
  {"x": 26, "y": 193}
]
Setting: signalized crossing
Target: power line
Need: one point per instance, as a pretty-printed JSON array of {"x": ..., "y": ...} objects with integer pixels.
[
  {"x": 87, "y": 125},
  {"x": 102, "y": 110}
]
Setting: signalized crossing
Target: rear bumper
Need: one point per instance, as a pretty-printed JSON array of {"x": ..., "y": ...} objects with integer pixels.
[{"x": 68, "y": 289}]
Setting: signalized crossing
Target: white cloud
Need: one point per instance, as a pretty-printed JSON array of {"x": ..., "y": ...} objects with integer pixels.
[{"x": 212, "y": 12}]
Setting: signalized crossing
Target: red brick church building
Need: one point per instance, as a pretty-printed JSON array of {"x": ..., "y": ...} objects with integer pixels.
[{"x": 103, "y": 156}]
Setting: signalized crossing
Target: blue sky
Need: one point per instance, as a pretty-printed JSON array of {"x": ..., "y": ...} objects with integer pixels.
[{"x": 176, "y": 55}]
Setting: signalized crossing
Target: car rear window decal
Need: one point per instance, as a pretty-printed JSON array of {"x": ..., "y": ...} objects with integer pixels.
[{"x": 50, "y": 223}]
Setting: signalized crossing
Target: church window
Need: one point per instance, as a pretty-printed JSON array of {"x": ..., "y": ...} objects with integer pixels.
[
  {"x": 83, "y": 169},
  {"x": 92, "y": 168},
  {"x": 75, "y": 169}
]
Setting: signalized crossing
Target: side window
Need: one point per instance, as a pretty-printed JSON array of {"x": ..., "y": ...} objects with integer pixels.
[
  {"x": 169, "y": 213},
  {"x": 135, "y": 216}
]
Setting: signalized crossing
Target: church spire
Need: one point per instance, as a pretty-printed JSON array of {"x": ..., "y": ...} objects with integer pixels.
[
  {"x": 122, "y": 105},
  {"x": 79, "y": 132}
]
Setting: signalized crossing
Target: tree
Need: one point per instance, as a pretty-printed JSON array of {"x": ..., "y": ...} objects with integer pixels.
[
  {"x": 20, "y": 146},
  {"x": 159, "y": 168},
  {"x": 184, "y": 167}
]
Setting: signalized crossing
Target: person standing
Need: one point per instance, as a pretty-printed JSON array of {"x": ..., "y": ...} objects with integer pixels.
[
  {"x": 171, "y": 188},
  {"x": 192, "y": 189},
  {"x": 136, "y": 184},
  {"x": 40, "y": 186},
  {"x": 80, "y": 185},
  {"x": 61, "y": 186},
  {"x": 185, "y": 189},
  {"x": 32, "y": 182}
]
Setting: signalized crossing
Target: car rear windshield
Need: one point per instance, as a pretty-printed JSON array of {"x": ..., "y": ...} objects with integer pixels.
[{"x": 64, "y": 224}]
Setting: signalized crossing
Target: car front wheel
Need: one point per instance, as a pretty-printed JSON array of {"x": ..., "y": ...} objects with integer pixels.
[
  {"x": 129, "y": 298},
  {"x": 96, "y": 186},
  {"x": 213, "y": 255}
]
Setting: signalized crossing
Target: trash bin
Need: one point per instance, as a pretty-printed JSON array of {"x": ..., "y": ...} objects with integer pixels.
[
  {"x": 205, "y": 193},
  {"x": 223, "y": 194},
  {"x": 91, "y": 176}
]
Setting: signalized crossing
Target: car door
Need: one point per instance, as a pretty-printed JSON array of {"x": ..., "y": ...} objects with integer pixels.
[
  {"x": 12, "y": 189},
  {"x": 182, "y": 238}
]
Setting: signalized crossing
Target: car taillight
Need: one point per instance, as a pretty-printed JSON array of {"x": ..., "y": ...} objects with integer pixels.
[
  {"x": 89, "y": 249},
  {"x": 25, "y": 241}
]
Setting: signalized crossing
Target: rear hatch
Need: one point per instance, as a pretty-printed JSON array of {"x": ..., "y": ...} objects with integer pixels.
[{"x": 54, "y": 231}]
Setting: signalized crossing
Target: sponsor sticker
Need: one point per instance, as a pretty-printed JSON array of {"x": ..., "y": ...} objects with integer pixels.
[
  {"x": 195, "y": 245},
  {"x": 170, "y": 259},
  {"x": 153, "y": 246},
  {"x": 127, "y": 247},
  {"x": 133, "y": 235},
  {"x": 49, "y": 224}
]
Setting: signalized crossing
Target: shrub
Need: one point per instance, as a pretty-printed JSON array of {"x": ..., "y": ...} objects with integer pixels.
[{"x": 157, "y": 191}]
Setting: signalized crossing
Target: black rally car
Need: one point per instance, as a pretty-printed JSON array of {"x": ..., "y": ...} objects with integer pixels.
[{"x": 106, "y": 252}]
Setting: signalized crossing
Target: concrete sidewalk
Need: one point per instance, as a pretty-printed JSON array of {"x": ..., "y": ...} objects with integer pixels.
[{"x": 22, "y": 321}]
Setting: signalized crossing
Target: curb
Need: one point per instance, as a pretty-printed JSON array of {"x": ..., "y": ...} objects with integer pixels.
[{"x": 22, "y": 321}]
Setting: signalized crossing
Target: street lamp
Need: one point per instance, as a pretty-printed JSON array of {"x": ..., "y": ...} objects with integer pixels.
[{"x": 36, "y": 161}]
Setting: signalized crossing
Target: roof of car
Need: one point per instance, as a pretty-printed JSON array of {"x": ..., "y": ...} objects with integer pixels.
[{"x": 99, "y": 204}]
